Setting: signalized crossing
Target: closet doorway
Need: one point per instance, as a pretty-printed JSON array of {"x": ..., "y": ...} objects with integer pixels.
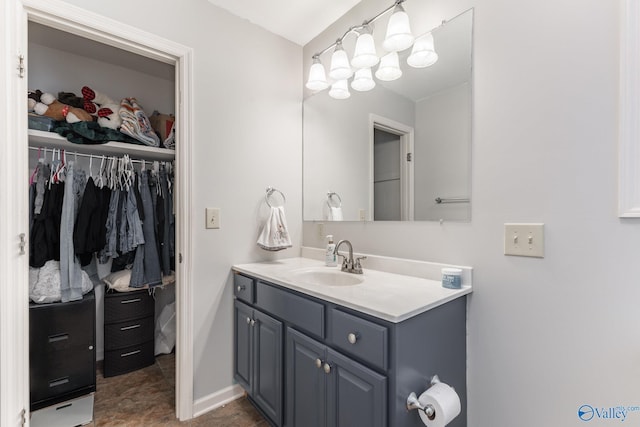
[
  {"x": 79, "y": 22},
  {"x": 391, "y": 169}
]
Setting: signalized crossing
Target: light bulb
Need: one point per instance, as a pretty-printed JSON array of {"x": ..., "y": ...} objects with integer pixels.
[
  {"x": 423, "y": 53},
  {"x": 389, "y": 68},
  {"x": 364, "y": 55},
  {"x": 340, "y": 90},
  {"x": 340, "y": 68},
  {"x": 362, "y": 81},
  {"x": 398, "y": 35},
  {"x": 317, "y": 78}
]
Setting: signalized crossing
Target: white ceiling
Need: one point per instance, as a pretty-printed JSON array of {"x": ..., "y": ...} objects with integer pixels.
[{"x": 296, "y": 20}]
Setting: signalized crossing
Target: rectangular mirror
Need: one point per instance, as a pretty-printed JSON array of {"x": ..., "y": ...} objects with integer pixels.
[{"x": 401, "y": 151}]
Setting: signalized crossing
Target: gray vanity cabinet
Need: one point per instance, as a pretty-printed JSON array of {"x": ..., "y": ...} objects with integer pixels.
[
  {"x": 258, "y": 358},
  {"x": 325, "y": 388},
  {"x": 342, "y": 367},
  {"x": 306, "y": 381}
]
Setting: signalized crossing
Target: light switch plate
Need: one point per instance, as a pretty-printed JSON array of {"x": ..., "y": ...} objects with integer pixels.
[
  {"x": 524, "y": 239},
  {"x": 362, "y": 214},
  {"x": 212, "y": 217}
]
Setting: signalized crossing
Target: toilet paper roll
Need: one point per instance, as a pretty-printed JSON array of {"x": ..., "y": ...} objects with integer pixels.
[{"x": 446, "y": 402}]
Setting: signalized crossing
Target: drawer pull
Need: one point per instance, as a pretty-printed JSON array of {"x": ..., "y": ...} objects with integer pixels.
[
  {"x": 129, "y": 301},
  {"x": 59, "y": 337},
  {"x": 353, "y": 337},
  {"x": 128, "y": 328},
  {"x": 58, "y": 382},
  {"x": 240, "y": 288},
  {"x": 68, "y": 405},
  {"x": 131, "y": 353},
  {"x": 318, "y": 363},
  {"x": 327, "y": 368}
]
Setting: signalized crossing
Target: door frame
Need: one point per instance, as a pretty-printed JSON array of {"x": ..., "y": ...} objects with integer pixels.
[
  {"x": 406, "y": 134},
  {"x": 69, "y": 18}
]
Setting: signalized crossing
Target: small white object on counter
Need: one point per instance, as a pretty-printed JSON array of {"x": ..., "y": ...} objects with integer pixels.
[{"x": 388, "y": 296}]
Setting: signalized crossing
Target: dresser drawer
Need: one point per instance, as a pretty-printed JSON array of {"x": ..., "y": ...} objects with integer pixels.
[
  {"x": 128, "y": 359},
  {"x": 62, "y": 326},
  {"x": 128, "y": 333},
  {"x": 359, "y": 337},
  {"x": 300, "y": 312},
  {"x": 54, "y": 375},
  {"x": 121, "y": 306},
  {"x": 243, "y": 288}
]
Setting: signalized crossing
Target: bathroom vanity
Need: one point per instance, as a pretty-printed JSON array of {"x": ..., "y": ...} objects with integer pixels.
[{"x": 317, "y": 347}]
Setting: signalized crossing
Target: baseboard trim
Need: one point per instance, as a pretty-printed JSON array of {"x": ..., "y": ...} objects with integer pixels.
[{"x": 217, "y": 399}]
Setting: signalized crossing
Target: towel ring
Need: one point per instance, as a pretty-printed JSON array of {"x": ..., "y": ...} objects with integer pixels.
[
  {"x": 330, "y": 195},
  {"x": 270, "y": 191}
]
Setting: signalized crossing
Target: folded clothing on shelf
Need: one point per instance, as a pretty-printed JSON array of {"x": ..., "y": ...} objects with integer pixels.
[{"x": 136, "y": 124}]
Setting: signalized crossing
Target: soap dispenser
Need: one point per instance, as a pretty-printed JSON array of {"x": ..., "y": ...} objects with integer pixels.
[{"x": 330, "y": 255}]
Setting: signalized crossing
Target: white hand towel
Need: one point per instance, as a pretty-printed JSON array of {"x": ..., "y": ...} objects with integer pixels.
[
  {"x": 275, "y": 236},
  {"x": 335, "y": 213}
]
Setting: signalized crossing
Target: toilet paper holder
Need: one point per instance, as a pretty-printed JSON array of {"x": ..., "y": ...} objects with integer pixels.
[{"x": 414, "y": 403}]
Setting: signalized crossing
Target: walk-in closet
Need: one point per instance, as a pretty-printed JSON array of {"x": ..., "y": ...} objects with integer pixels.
[{"x": 104, "y": 217}]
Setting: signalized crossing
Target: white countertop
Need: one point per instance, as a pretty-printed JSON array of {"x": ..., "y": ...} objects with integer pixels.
[{"x": 388, "y": 296}]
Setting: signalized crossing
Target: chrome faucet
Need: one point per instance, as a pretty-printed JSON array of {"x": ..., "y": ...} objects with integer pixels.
[{"x": 348, "y": 264}]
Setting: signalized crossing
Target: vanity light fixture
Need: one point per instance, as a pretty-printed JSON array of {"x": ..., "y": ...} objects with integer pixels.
[
  {"x": 389, "y": 68},
  {"x": 317, "y": 77},
  {"x": 340, "y": 67},
  {"x": 364, "y": 55},
  {"x": 363, "y": 81},
  {"x": 340, "y": 89},
  {"x": 398, "y": 38},
  {"x": 399, "y": 35},
  {"x": 423, "y": 53}
]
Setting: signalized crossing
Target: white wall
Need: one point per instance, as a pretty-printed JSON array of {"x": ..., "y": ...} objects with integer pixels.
[
  {"x": 545, "y": 335},
  {"x": 246, "y": 120}
]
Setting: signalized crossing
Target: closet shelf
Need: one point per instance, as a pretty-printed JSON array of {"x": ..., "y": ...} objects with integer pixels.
[{"x": 38, "y": 138}]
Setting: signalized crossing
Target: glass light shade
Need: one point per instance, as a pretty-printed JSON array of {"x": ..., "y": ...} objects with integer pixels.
[
  {"x": 364, "y": 55},
  {"x": 363, "y": 81},
  {"x": 340, "y": 90},
  {"x": 423, "y": 53},
  {"x": 317, "y": 78},
  {"x": 389, "y": 68},
  {"x": 340, "y": 68},
  {"x": 398, "y": 35}
]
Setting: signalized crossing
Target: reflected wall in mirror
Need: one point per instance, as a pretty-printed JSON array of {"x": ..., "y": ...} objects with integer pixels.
[{"x": 401, "y": 151}]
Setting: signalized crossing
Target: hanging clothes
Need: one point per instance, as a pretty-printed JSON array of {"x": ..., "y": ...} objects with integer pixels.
[
  {"x": 70, "y": 271},
  {"x": 146, "y": 267},
  {"x": 89, "y": 233}
]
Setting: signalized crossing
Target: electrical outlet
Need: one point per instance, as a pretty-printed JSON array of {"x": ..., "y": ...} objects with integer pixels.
[
  {"x": 320, "y": 230},
  {"x": 212, "y": 217},
  {"x": 524, "y": 240},
  {"x": 362, "y": 214}
]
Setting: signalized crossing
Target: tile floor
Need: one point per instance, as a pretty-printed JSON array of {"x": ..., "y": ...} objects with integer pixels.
[{"x": 146, "y": 397}]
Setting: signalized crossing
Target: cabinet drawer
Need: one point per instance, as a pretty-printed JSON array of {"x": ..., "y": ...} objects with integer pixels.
[
  {"x": 299, "y": 311},
  {"x": 243, "y": 288},
  {"x": 128, "y": 333},
  {"x": 119, "y": 307},
  {"x": 62, "y": 326},
  {"x": 128, "y": 359},
  {"x": 55, "y": 375},
  {"x": 359, "y": 337}
]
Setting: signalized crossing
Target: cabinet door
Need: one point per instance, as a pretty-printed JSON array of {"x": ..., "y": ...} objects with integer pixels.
[
  {"x": 242, "y": 367},
  {"x": 356, "y": 395},
  {"x": 306, "y": 381},
  {"x": 267, "y": 363}
]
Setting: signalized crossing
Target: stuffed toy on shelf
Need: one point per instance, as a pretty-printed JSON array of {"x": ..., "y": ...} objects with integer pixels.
[
  {"x": 103, "y": 107},
  {"x": 49, "y": 106}
]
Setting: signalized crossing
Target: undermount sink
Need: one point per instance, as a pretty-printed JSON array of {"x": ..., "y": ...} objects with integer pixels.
[{"x": 325, "y": 277}]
